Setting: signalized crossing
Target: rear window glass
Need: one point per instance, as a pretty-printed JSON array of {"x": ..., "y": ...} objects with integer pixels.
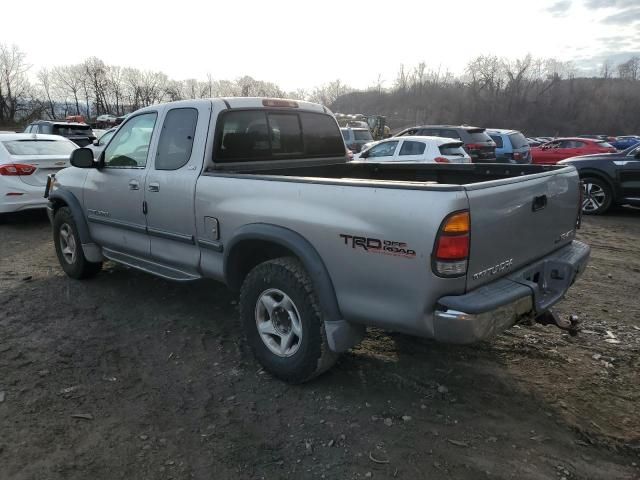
[
  {"x": 412, "y": 148},
  {"x": 71, "y": 130},
  {"x": 39, "y": 147},
  {"x": 476, "y": 136},
  {"x": 497, "y": 139},
  {"x": 452, "y": 149},
  {"x": 176, "y": 138},
  {"x": 254, "y": 135},
  {"x": 518, "y": 140},
  {"x": 362, "y": 135}
]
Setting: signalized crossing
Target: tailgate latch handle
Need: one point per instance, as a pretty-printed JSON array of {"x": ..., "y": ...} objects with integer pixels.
[{"x": 539, "y": 203}]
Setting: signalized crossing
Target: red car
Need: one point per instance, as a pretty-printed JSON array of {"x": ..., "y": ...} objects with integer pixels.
[{"x": 552, "y": 152}]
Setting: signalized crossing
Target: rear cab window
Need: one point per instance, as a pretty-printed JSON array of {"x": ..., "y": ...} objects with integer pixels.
[
  {"x": 176, "y": 138},
  {"x": 264, "y": 134},
  {"x": 72, "y": 130}
]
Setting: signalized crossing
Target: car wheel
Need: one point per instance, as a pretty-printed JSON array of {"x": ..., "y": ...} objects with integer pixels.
[
  {"x": 283, "y": 322},
  {"x": 69, "y": 247},
  {"x": 596, "y": 197}
]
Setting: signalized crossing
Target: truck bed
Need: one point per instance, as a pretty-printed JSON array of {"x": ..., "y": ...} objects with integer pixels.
[{"x": 415, "y": 175}]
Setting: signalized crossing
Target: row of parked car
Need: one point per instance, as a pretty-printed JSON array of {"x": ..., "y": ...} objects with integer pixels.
[{"x": 608, "y": 166}]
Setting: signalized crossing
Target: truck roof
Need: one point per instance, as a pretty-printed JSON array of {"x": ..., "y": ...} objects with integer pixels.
[{"x": 255, "y": 102}]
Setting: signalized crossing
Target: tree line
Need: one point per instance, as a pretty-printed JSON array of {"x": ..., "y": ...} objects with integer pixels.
[
  {"x": 539, "y": 96},
  {"x": 536, "y": 96}
]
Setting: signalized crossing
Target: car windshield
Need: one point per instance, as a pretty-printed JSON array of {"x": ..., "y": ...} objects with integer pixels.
[
  {"x": 518, "y": 140},
  {"x": 69, "y": 130},
  {"x": 39, "y": 147},
  {"x": 478, "y": 136},
  {"x": 362, "y": 135}
]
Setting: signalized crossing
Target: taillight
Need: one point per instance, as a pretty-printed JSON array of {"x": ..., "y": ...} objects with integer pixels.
[
  {"x": 517, "y": 156},
  {"x": 474, "y": 146},
  {"x": 16, "y": 169},
  {"x": 451, "y": 249},
  {"x": 441, "y": 160}
]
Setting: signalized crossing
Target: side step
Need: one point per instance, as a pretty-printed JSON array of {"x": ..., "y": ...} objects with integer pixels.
[{"x": 149, "y": 266}]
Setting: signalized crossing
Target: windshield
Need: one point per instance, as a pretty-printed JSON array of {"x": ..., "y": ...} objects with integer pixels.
[
  {"x": 518, "y": 140},
  {"x": 69, "y": 130},
  {"x": 362, "y": 135},
  {"x": 39, "y": 147},
  {"x": 478, "y": 136}
]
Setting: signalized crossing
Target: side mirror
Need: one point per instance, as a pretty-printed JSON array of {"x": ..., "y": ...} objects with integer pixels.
[
  {"x": 82, "y": 158},
  {"x": 365, "y": 154},
  {"x": 96, "y": 142}
]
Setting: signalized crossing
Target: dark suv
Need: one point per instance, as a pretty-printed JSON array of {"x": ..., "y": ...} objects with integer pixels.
[
  {"x": 477, "y": 143},
  {"x": 79, "y": 133}
]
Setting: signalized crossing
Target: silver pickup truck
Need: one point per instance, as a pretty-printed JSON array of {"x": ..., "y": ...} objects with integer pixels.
[{"x": 257, "y": 193}]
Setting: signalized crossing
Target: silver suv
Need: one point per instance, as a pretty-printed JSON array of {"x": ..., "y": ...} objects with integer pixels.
[{"x": 355, "y": 138}]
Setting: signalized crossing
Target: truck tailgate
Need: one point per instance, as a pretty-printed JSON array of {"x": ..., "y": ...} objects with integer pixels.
[{"x": 519, "y": 220}]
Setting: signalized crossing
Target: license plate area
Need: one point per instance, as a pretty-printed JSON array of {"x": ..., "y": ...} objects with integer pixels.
[{"x": 549, "y": 281}]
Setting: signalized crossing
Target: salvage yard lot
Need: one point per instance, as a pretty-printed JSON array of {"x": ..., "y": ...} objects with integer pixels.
[{"x": 130, "y": 376}]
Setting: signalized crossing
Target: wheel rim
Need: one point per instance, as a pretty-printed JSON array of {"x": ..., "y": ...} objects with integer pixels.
[
  {"x": 67, "y": 244},
  {"x": 278, "y": 322},
  {"x": 594, "y": 197}
]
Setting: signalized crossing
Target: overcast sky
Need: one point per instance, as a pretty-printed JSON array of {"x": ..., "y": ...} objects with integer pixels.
[{"x": 299, "y": 44}]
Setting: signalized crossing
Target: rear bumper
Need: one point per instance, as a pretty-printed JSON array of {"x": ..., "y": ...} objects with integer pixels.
[{"x": 492, "y": 308}]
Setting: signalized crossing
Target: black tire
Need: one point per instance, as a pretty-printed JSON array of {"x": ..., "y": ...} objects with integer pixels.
[
  {"x": 596, "y": 203},
  {"x": 78, "y": 266},
  {"x": 313, "y": 356}
]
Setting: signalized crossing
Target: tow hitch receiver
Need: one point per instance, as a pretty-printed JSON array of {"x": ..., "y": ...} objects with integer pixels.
[{"x": 549, "y": 317}]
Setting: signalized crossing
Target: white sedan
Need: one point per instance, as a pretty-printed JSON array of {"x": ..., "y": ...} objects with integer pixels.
[
  {"x": 415, "y": 149},
  {"x": 25, "y": 161}
]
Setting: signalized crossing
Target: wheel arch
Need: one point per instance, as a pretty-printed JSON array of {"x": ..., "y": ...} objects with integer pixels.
[
  {"x": 64, "y": 198},
  {"x": 605, "y": 178},
  {"x": 254, "y": 243}
]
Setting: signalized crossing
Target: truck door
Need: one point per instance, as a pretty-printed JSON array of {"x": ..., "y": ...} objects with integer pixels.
[
  {"x": 114, "y": 194},
  {"x": 171, "y": 183}
]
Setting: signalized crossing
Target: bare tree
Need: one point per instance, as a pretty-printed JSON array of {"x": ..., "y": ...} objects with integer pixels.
[{"x": 14, "y": 84}]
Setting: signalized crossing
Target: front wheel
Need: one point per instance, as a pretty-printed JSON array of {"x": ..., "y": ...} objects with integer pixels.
[
  {"x": 597, "y": 196},
  {"x": 283, "y": 322},
  {"x": 69, "y": 247}
]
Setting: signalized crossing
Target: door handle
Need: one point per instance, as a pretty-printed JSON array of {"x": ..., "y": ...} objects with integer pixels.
[
  {"x": 134, "y": 185},
  {"x": 539, "y": 203},
  {"x": 154, "y": 187}
]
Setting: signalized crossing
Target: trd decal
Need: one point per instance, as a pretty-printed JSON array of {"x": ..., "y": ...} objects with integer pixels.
[{"x": 376, "y": 245}]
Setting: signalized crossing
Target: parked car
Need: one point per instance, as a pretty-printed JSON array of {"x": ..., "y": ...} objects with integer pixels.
[
  {"x": 625, "y": 141},
  {"x": 552, "y": 152},
  {"x": 609, "y": 179},
  {"x": 534, "y": 142},
  {"x": 107, "y": 119},
  {"x": 416, "y": 149},
  {"x": 79, "y": 133},
  {"x": 257, "y": 193},
  {"x": 25, "y": 162},
  {"x": 477, "y": 143},
  {"x": 511, "y": 146},
  {"x": 355, "y": 138},
  {"x": 98, "y": 145}
]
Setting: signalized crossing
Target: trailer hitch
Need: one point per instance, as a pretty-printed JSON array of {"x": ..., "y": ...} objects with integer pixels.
[{"x": 570, "y": 324}]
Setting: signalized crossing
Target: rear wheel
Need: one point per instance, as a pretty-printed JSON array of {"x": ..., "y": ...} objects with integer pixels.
[
  {"x": 283, "y": 322},
  {"x": 597, "y": 196},
  {"x": 69, "y": 247}
]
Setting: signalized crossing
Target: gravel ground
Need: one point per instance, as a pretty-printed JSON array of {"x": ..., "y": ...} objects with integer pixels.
[{"x": 129, "y": 376}]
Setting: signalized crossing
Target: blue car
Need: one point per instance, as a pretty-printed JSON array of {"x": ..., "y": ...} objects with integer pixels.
[
  {"x": 511, "y": 146},
  {"x": 626, "y": 141}
]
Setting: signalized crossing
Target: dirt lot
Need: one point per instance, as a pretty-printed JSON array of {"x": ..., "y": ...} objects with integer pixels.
[{"x": 129, "y": 376}]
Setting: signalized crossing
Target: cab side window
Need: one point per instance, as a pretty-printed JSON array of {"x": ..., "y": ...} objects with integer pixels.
[
  {"x": 412, "y": 148},
  {"x": 130, "y": 145},
  {"x": 176, "y": 138}
]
